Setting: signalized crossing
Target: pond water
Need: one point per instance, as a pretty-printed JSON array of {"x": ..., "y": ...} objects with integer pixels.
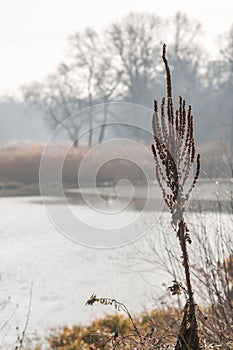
[{"x": 64, "y": 274}]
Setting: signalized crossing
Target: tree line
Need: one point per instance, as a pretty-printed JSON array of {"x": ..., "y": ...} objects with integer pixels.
[{"x": 122, "y": 63}]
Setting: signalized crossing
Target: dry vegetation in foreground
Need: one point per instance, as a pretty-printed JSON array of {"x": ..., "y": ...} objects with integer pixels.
[{"x": 156, "y": 330}]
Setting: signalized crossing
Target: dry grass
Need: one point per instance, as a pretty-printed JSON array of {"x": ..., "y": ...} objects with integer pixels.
[
  {"x": 19, "y": 171},
  {"x": 20, "y": 167},
  {"x": 156, "y": 330}
]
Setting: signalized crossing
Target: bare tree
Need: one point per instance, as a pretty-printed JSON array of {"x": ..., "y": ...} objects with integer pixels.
[
  {"x": 227, "y": 53},
  {"x": 186, "y": 35},
  {"x": 84, "y": 57},
  {"x": 85, "y": 79},
  {"x": 135, "y": 44},
  {"x": 108, "y": 88},
  {"x": 227, "y": 50},
  {"x": 59, "y": 98},
  {"x": 99, "y": 79},
  {"x": 185, "y": 54}
]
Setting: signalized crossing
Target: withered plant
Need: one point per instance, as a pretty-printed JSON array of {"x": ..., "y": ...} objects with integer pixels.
[
  {"x": 133, "y": 338},
  {"x": 174, "y": 155}
]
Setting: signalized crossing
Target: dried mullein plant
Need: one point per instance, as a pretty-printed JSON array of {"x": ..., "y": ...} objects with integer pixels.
[{"x": 174, "y": 155}]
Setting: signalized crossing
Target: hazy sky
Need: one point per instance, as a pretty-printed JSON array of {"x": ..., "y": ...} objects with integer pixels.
[{"x": 33, "y": 33}]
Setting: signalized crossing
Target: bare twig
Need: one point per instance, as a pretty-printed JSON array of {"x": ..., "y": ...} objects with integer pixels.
[{"x": 21, "y": 338}]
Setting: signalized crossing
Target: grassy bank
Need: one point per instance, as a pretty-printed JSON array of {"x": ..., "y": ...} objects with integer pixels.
[{"x": 19, "y": 171}]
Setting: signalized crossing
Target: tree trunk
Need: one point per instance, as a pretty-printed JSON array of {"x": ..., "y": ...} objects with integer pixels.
[
  {"x": 103, "y": 127},
  {"x": 75, "y": 143}
]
